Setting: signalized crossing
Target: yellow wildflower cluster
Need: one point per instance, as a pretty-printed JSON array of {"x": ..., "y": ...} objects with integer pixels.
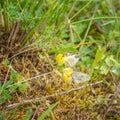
[
  {"x": 60, "y": 59},
  {"x": 67, "y": 74}
]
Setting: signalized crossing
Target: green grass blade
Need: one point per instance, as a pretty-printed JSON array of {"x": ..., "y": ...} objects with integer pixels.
[
  {"x": 46, "y": 113},
  {"x": 40, "y": 3},
  {"x": 98, "y": 56},
  {"x": 112, "y": 8},
  {"x": 43, "y": 19},
  {"x": 95, "y": 18},
  {"x": 81, "y": 9},
  {"x": 26, "y": 5},
  {"x": 32, "y": 6}
]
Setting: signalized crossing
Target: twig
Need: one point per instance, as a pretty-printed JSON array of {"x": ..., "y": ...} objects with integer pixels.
[
  {"x": 34, "y": 114},
  {"x": 53, "y": 95},
  {"x": 13, "y": 33},
  {"x": 29, "y": 79},
  {"x": 23, "y": 51}
]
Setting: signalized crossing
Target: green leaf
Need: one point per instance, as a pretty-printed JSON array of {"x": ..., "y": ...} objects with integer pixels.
[
  {"x": 6, "y": 63},
  {"x": 2, "y": 115},
  {"x": 13, "y": 75},
  {"x": 7, "y": 84},
  {"x": 98, "y": 57},
  {"x": 2, "y": 99},
  {"x": 12, "y": 89},
  {"x": 116, "y": 70},
  {"x": 60, "y": 67},
  {"x": 109, "y": 62},
  {"x": 46, "y": 113},
  {"x": 80, "y": 28},
  {"x": 27, "y": 115},
  {"x": 19, "y": 78},
  {"x": 6, "y": 95},
  {"x": 22, "y": 87},
  {"x": 100, "y": 100},
  {"x": 104, "y": 69}
]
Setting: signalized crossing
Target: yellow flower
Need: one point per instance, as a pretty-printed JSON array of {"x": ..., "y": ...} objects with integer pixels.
[
  {"x": 67, "y": 74},
  {"x": 60, "y": 59},
  {"x": 65, "y": 77}
]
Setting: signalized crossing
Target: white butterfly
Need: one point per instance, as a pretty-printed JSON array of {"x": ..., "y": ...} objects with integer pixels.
[
  {"x": 79, "y": 77},
  {"x": 71, "y": 60}
]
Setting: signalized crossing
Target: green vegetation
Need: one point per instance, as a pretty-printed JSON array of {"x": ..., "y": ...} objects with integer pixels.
[{"x": 34, "y": 84}]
